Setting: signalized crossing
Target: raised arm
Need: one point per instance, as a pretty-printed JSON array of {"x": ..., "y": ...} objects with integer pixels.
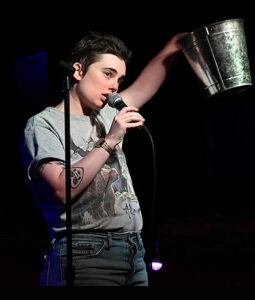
[{"x": 153, "y": 75}]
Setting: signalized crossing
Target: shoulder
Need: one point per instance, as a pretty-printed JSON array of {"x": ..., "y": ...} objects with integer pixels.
[{"x": 45, "y": 118}]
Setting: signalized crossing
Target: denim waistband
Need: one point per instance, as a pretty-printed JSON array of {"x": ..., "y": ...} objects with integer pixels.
[
  {"x": 113, "y": 234},
  {"x": 106, "y": 235}
]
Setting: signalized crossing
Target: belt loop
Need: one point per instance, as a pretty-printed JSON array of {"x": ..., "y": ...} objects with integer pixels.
[
  {"x": 139, "y": 240},
  {"x": 53, "y": 243},
  {"x": 109, "y": 240}
]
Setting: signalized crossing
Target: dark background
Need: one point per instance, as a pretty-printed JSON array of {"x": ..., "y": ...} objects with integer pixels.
[{"x": 204, "y": 213}]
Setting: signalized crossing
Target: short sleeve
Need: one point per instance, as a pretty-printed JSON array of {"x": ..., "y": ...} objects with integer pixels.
[{"x": 38, "y": 142}]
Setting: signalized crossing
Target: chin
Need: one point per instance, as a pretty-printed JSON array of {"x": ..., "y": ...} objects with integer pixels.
[{"x": 101, "y": 105}]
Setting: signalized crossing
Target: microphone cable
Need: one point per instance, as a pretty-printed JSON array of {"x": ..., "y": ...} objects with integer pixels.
[
  {"x": 152, "y": 233},
  {"x": 115, "y": 100}
]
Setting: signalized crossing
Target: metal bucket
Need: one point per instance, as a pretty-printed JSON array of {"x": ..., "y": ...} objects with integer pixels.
[{"x": 218, "y": 55}]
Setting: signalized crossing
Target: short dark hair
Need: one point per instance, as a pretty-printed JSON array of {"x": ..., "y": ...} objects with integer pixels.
[{"x": 88, "y": 50}]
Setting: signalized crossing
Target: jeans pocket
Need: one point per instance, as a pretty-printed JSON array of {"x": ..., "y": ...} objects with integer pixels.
[
  {"x": 82, "y": 249},
  {"x": 87, "y": 249},
  {"x": 82, "y": 253}
]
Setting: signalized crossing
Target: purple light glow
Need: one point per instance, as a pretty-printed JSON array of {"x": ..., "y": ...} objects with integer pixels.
[{"x": 156, "y": 265}]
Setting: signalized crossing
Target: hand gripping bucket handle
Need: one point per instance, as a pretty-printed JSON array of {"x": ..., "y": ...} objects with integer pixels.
[{"x": 218, "y": 55}]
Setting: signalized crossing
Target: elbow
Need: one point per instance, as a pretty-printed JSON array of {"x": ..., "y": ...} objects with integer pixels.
[{"x": 60, "y": 195}]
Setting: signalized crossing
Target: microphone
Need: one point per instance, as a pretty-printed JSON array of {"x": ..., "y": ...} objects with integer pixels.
[
  {"x": 66, "y": 68},
  {"x": 115, "y": 100}
]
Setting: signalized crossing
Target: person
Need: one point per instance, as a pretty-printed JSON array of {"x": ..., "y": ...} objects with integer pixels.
[{"x": 107, "y": 246}]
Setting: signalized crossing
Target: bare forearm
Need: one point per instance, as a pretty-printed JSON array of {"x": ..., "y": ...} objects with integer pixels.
[
  {"x": 153, "y": 75},
  {"x": 149, "y": 81},
  {"x": 82, "y": 173}
]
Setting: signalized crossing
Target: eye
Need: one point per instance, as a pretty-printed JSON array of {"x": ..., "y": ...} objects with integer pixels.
[{"x": 107, "y": 74}]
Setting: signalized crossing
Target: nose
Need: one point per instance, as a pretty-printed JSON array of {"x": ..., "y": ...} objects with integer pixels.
[{"x": 114, "y": 86}]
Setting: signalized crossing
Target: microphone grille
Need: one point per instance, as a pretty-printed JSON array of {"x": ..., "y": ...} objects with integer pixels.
[{"x": 112, "y": 98}]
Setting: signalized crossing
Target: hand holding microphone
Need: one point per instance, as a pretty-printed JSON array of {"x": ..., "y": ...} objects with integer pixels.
[
  {"x": 127, "y": 118},
  {"x": 115, "y": 100}
]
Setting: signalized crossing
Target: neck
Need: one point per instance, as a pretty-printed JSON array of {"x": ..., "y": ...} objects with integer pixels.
[{"x": 75, "y": 107}]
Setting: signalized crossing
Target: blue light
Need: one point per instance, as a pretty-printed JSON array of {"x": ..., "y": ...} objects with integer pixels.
[{"x": 31, "y": 78}]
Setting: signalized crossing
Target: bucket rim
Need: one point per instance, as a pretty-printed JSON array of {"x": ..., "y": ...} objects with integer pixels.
[
  {"x": 209, "y": 25},
  {"x": 219, "y": 22}
]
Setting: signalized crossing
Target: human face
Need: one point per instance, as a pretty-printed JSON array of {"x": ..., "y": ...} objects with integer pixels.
[{"x": 101, "y": 79}]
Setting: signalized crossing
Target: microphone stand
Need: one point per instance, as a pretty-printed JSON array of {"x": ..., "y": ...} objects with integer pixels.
[{"x": 68, "y": 71}]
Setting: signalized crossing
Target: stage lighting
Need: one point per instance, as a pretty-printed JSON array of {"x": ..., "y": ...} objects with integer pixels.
[{"x": 156, "y": 265}]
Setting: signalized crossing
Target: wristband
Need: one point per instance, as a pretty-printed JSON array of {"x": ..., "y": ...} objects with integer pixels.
[{"x": 101, "y": 143}]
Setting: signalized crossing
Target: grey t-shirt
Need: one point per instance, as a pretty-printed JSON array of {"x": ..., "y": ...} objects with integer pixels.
[{"x": 109, "y": 202}]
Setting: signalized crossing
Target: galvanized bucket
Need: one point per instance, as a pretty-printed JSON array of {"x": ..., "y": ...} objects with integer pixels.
[{"x": 218, "y": 55}]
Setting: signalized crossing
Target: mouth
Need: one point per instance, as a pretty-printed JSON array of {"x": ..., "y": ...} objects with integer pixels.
[{"x": 105, "y": 97}]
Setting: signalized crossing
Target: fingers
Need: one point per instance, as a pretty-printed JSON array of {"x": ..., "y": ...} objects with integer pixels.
[
  {"x": 129, "y": 109},
  {"x": 130, "y": 116},
  {"x": 126, "y": 119}
]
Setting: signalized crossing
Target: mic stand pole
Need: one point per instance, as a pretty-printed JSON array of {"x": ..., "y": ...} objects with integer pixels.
[{"x": 69, "y": 269}]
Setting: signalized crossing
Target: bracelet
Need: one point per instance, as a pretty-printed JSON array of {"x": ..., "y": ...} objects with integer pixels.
[{"x": 101, "y": 143}]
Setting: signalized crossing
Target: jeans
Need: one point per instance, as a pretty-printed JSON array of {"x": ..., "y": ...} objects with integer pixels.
[{"x": 98, "y": 259}]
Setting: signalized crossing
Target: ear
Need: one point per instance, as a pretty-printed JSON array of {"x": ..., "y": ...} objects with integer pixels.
[{"x": 78, "y": 74}]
